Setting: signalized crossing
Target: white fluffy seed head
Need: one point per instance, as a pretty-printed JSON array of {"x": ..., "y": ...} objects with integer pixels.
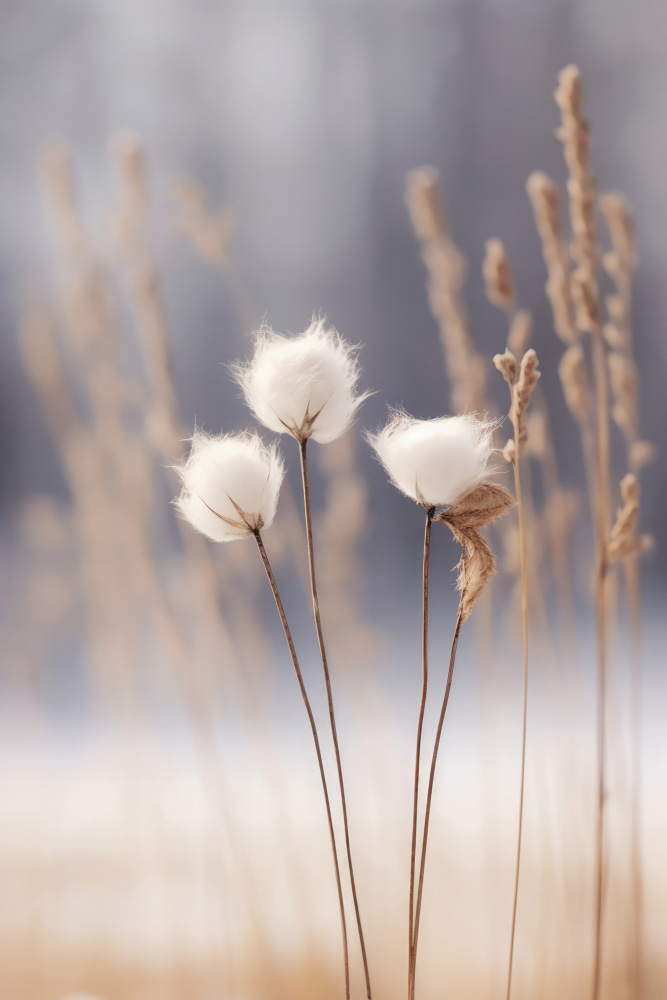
[
  {"x": 230, "y": 485},
  {"x": 304, "y": 385},
  {"x": 435, "y": 461}
]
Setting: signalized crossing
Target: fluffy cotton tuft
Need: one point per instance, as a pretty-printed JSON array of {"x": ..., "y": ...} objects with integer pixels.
[
  {"x": 230, "y": 485},
  {"x": 305, "y": 385},
  {"x": 435, "y": 461}
]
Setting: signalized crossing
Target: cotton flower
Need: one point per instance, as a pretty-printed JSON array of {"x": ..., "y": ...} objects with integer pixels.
[
  {"x": 230, "y": 485},
  {"x": 303, "y": 385},
  {"x": 435, "y": 461}
]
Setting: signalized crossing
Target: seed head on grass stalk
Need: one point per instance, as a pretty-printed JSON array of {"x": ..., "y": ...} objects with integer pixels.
[
  {"x": 444, "y": 462},
  {"x": 305, "y": 386},
  {"x": 575, "y": 135},
  {"x": 498, "y": 277},
  {"x": 624, "y": 540},
  {"x": 230, "y": 492}
]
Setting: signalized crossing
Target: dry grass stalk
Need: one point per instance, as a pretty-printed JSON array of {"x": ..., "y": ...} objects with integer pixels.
[
  {"x": 55, "y": 168},
  {"x": 206, "y": 581},
  {"x": 586, "y": 305},
  {"x": 130, "y": 224},
  {"x": 641, "y": 453},
  {"x": 624, "y": 540},
  {"x": 521, "y": 380},
  {"x": 574, "y": 134},
  {"x": 498, "y": 277},
  {"x": 446, "y": 269},
  {"x": 523, "y": 391},
  {"x": 560, "y": 511},
  {"x": 627, "y": 546},
  {"x": 574, "y": 380},
  {"x": 535, "y": 442},
  {"x": 545, "y": 199},
  {"x": 37, "y": 342},
  {"x": 623, "y": 380},
  {"x": 106, "y": 468},
  {"x": 109, "y": 469},
  {"x": 498, "y": 281},
  {"x": 465, "y": 367},
  {"x": 620, "y": 263},
  {"x": 211, "y": 234}
]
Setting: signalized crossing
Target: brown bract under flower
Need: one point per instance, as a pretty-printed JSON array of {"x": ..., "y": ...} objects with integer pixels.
[{"x": 480, "y": 506}]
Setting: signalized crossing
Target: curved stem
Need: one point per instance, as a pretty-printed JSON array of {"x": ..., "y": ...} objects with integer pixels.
[
  {"x": 420, "y": 725},
  {"x": 332, "y": 717},
  {"x": 311, "y": 719},
  {"x": 429, "y": 796},
  {"x": 603, "y": 529},
  {"x": 524, "y": 629}
]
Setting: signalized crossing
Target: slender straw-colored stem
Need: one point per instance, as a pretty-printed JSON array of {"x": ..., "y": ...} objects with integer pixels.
[
  {"x": 429, "y": 796},
  {"x": 420, "y": 725},
  {"x": 631, "y": 567},
  {"x": 634, "y": 597},
  {"x": 524, "y": 630},
  {"x": 311, "y": 719},
  {"x": 332, "y": 716},
  {"x": 603, "y": 528}
]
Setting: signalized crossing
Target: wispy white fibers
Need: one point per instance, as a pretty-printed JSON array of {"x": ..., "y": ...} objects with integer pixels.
[
  {"x": 435, "y": 461},
  {"x": 230, "y": 485},
  {"x": 304, "y": 385}
]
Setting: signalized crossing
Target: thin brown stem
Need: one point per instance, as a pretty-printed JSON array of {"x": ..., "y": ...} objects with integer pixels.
[
  {"x": 429, "y": 796},
  {"x": 311, "y": 719},
  {"x": 631, "y": 567},
  {"x": 420, "y": 725},
  {"x": 332, "y": 716},
  {"x": 524, "y": 631},
  {"x": 603, "y": 529}
]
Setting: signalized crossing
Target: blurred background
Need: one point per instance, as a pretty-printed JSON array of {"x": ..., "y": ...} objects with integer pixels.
[{"x": 171, "y": 174}]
